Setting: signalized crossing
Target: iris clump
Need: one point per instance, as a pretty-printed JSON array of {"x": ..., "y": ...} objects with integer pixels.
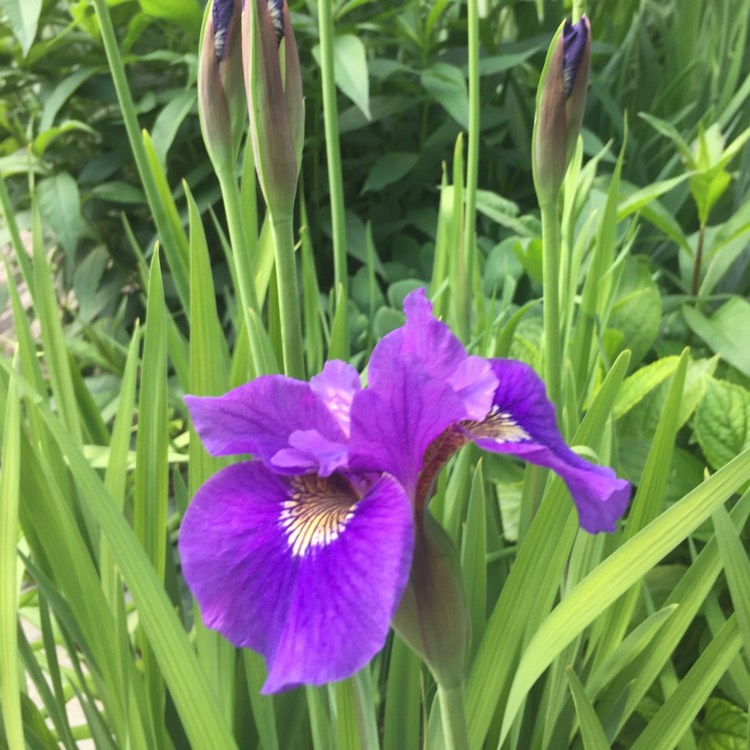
[{"x": 303, "y": 552}]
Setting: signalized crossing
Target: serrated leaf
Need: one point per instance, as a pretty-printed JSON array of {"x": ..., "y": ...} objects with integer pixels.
[
  {"x": 722, "y": 421},
  {"x": 642, "y": 382},
  {"x": 723, "y": 726},
  {"x": 637, "y": 312}
]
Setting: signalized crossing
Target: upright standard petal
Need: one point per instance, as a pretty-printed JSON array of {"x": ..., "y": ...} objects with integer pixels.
[
  {"x": 305, "y": 570},
  {"x": 522, "y": 422},
  {"x": 260, "y": 417},
  {"x": 335, "y": 386},
  {"x": 395, "y": 421},
  {"x": 442, "y": 355}
]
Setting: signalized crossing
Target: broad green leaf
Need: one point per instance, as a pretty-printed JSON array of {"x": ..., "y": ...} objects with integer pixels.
[
  {"x": 637, "y": 312},
  {"x": 642, "y": 382},
  {"x": 719, "y": 331},
  {"x": 640, "y": 198},
  {"x": 23, "y": 17},
  {"x": 169, "y": 120},
  {"x": 60, "y": 94},
  {"x": 350, "y": 69},
  {"x": 621, "y": 570},
  {"x": 506, "y": 213},
  {"x": 722, "y": 421},
  {"x": 388, "y": 169},
  {"x": 724, "y": 726},
  {"x": 187, "y": 13},
  {"x": 118, "y": 192},
  {"x": 60, "y": 205},
  {"x": 667, "y": 129},
  {"x": 447, "y": 85},
  {"x": 46, "y": 137}
]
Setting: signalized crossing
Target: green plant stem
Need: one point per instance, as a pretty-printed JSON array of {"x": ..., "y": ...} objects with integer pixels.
[
  {"x": 453, "y": 717},
  {"x": 551, "y": 279},
  {"x": 244, "y": 266},
  {"x": 239, "y": 240},
  {"x": 698, "y": 261},
  {"x": 333, "y": 152},
  {"x": 472, "y": 163},
  {"x": 289, "y": 307}
]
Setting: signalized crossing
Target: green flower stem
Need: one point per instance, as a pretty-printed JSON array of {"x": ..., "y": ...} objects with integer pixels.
[
  {"x": 289, "y": 306},
  {"x": 238, "y": 239},
  {"x": 333, "y": 152},
  {"x": 551, "y": 279},
  {"x": 472, "y": 165},
  {"x": 453, "y": 717},
  {"x": 244, "y": 267}
]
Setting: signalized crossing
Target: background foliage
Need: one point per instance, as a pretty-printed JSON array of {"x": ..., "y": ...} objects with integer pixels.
[{"x": 118, "y": 292}]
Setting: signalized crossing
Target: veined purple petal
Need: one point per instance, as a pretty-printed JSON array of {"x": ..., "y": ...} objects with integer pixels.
[
  {"x": 260, "y": 417},
  {"x": 574, "y": 44},
  {"x": 522, "y": 422},
  {"x": 442, "y": 355},
  {"x": 300, "y": 569},
  {"x": 335, "y": 386},
  {"x": 394, "y": 421}
]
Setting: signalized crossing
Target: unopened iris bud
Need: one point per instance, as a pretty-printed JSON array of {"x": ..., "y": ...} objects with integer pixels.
[
  {"x": 560, "y": 101},
  {"x": 433, "y": 617},
  {"x": 221, "y": 95},
  {"x": 274, "y": 94}
]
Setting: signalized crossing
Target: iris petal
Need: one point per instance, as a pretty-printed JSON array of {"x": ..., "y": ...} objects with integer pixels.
[
  {"x": 395, "y": 421},
  {"x": 300, "y": 569},
  {"x": 522, "y": 423},
  {"x": 259, "y": 417},
  {"x": 442, "y": 355},
  {"x": 335, "y": 386}
]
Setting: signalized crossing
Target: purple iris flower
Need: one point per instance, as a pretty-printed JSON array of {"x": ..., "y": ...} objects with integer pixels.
[{"x": 303, "y": 552}]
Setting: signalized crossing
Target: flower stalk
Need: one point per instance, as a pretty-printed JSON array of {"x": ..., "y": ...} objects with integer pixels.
[
  {"x": 453, "y": 716},
  {"x": 277, "y": 112},
  {"x": 561, "y": 98}
]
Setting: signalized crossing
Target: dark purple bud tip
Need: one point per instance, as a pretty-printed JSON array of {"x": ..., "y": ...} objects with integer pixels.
[
  {"x": 276, "y": 10},
  {"x": 575, "y": 36},
  {"x": 222, "y": 15}
]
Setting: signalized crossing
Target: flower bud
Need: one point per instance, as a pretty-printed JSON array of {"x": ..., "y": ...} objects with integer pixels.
[
  {"x": 432, "y": 617},
  {"x": 560, "y": 101},
  {"x": 221, "y": 95},
  {"x": 276, "y": 108}
]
